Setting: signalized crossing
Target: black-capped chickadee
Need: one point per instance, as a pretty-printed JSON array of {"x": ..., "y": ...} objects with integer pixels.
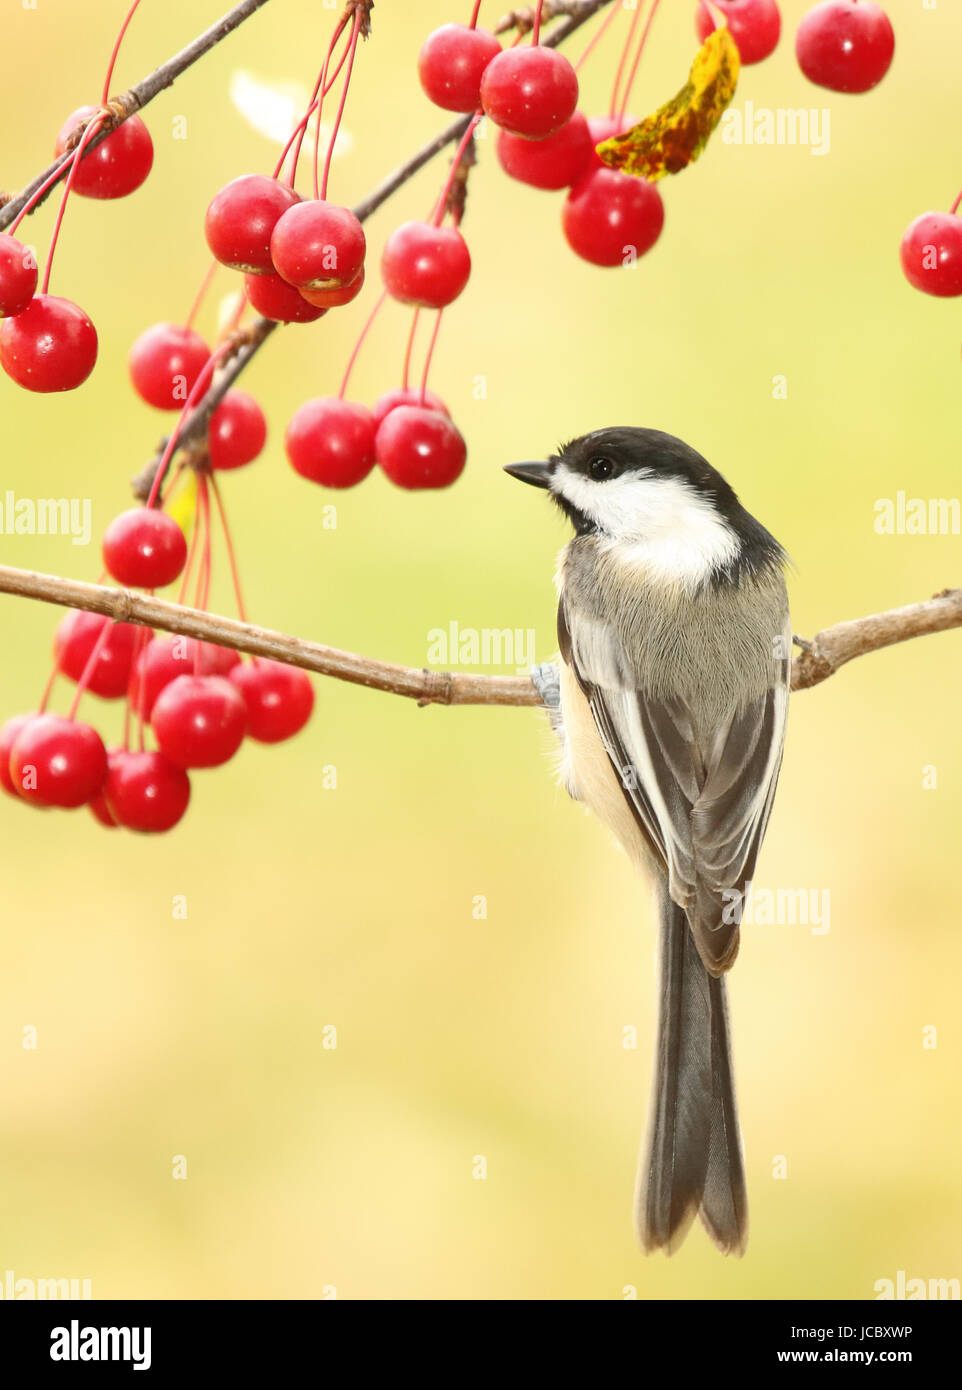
[{"x": 671, "y": 704}]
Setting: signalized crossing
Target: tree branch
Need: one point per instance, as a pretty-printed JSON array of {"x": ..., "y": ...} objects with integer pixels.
[
  {"x": 836, "y": 645},
  {"x": 135, "y": 100},
  {"x": 828, "y": 651}
]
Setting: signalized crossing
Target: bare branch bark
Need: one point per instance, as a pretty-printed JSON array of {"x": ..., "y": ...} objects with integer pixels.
[
  {"x": 835, "y": 646},
  {"x": 828, "y": 651},
  {"x": 136, "y": 99}
]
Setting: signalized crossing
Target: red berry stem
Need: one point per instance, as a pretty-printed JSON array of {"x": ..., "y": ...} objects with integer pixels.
[
  {"x": 352, "y": 50},
  {"x": 202, "y": 591},
  {"x": 229, "y": 545},
  {"x": 633, "y": 73},
  {"x": 623, "y": 60},
  {"x": 41, "y": 192},
  {"x": 51, "y": 679},
  {"x": 599, "y": 33},
  {"x": 189, "y": 564},
  {"x": 473, "y": 24},
  {"x": 234, "y": 325},
  {"x": 955, "y": 206},
  {"x": 144, "y": 635},
  {"x": 536, "y": 30},
  {"x": 88, "y": 669},
  {"x": 91, "y": 130},
  {"x": 201, "y": 293},
  {"x": 427, "y": 360},
  {"x": 141, "y": 707},
  {"x": 360, "y": 343},
  {"x": 410, "y": 345},
  {"x": 442, "y": 203},
  {"x": 197, "y": 390},
  {"x": 116, "y": 50},
  {"x": 321, "y": 89},
  {"x": 172, "y": 483}
]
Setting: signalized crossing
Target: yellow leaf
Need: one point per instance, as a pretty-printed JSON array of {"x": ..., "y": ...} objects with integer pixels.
[
  {"x": 676, "y": 134},
  {"x": 183, "y": 507}
]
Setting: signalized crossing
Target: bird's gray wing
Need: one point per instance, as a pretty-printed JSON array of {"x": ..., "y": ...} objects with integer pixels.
[{"x": 700, "y": 799}]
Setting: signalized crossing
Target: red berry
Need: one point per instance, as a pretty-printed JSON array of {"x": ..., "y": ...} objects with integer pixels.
[
  {"x": 118, "y": 164},
  {"x": 50, "y": 346},
  {"x": 77, "y": 635},
  {"x": 18, "y": 275},
  {"x": 844, "y": 45},
  {"x": 754, "y": 25},
  {"x": 165, "y": 362},
  {"x": 98, "y": 804},
  {"x": 144, "y": 548},
  {"x": 420, "y": 448},
  {"x": 241, "y": 218},
  {"x": 931, "y": 253},
  {"x": 610, "y": 218},
  {"x": 318, "y": 246},
  {"x": 331, "y": 441},
  {"x": 334, "y": 298},
  {"x": 552, "y": 163},
  {"x": 8, "y": 736},
  {"x": 145, "y": 791},
  {"x": 279, "y": 698},
  {"x": 211, "y": 659},
  {"x": 529, "y": 91},
  {"x": 57, "y": 762},
  {"x": 603, "y": 128},
  {"x": 165, "y": 658},
  {"x": 199, "y": 721},
  {"x": 451, "y": 63},
  {"x": 405, "y": 395},
  {"x": 237, "y": 431},
  {"x": 277, "y": 300},
  {"x": 426, "y": 265}
]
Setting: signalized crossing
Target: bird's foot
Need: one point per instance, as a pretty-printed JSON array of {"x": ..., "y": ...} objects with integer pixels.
[{"x": 547, "y": 682}]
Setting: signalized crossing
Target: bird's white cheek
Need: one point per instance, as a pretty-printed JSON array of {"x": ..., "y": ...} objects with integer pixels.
[{"x": 660, "y": 526}]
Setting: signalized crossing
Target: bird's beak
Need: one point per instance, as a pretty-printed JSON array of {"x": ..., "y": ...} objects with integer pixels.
[{"x": 537, "y": 474}]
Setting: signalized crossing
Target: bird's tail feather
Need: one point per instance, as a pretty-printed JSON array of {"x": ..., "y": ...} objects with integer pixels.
[{"x": 694, "y": 1160}]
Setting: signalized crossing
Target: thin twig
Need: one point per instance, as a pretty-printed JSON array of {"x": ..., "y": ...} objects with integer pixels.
[
  {"x": 135, "y": 100},
  {"x": 828, "y": 651},
  {"x": 523, "y": 19}
]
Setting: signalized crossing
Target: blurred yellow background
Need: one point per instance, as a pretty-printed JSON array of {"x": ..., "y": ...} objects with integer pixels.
[{"x": 311, "y": 1168}]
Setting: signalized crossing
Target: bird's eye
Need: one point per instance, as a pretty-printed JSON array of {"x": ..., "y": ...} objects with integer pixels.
[{"x": 600, "y": 468}]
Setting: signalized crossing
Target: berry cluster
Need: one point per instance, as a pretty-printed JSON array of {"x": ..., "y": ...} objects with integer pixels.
[
  {"x": 309, "y": 252},
  {"x": 198, "y": 699},
  {"x": 48, "y": 343},
  {"x": 844, "y": 45},
  {"x": 531, "y": 94}
]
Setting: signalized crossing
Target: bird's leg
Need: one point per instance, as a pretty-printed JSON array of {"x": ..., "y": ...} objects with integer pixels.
[{"x": 547, "y": 682}]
